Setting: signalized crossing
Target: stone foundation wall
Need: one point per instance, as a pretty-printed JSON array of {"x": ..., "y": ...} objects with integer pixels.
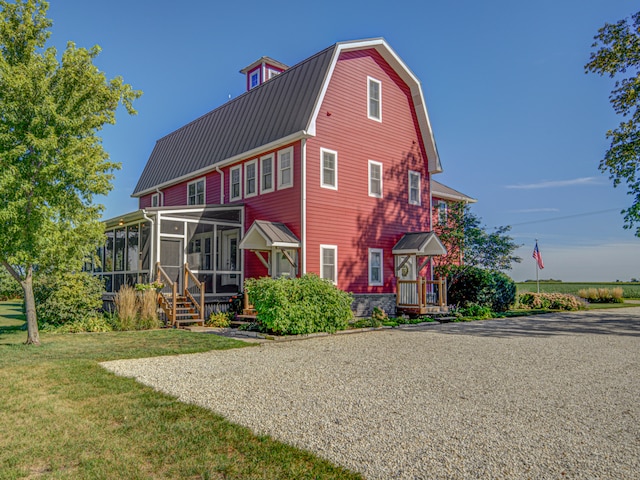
[{"x": 364, "y": 303}]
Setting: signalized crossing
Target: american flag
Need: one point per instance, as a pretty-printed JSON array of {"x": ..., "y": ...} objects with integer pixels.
[{"x": 538, "y": 257}]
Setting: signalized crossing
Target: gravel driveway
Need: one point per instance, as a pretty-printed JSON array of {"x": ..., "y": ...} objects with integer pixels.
[{"x": 551, "y": 396}]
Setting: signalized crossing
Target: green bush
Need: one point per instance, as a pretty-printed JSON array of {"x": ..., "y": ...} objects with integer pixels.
[
  {"x": 299, "y": 305},
  {"x": 67, "y": 297},
  {"x": 219, "y": 319},
  {"x": 9, "y": 287},
  {"x": 476, "y": 312},
  {"x": 551, "y": 301},
  {"x": 88, "y": 324},
  {"x": 476, "y": 286}
]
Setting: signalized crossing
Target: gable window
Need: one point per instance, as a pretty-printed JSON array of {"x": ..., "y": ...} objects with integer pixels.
[
  {"x": 266, "y": 174},
  {"x": 285, "y": 168},
  {"x": 155, "y": 200},
  {"x": 375, "y": 266},
  {"x": 329, "y": 169},
  {"x": 235, "y": 185},
  {"x": 374, "y": 95},
  {"x": 442, "y": 211},
  {"x": 250, "y": 179},
  {"x": 414, "y": 188},
  {"x": 196, "y": 192},
  {"x": 375, "y": 179},
  {"x": 329, "y": 262}
]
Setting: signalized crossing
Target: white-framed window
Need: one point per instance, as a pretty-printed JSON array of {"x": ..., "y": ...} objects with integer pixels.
[
  {"x": 375, "y": 267},
  {"x": 414, "y": 188},
  {"x": 328, "y": 169},
  {"x": 441, "y": 207},
  {"x": 254, "y": 79},
  {"x": 375, "y": 179},
  {"x": 374, "y": 99},
  {"x": 196, "y": 192},
  {"x": 271, "y": 73},
  {"x": 250, "y": 179},
  {"x": 329, "y": 262},
  {"x": 235, "y": 182},
  {"x": 155, "y": 200},
  {"x": 285, "y": 168},
  {"x": 266, "y": 174}
]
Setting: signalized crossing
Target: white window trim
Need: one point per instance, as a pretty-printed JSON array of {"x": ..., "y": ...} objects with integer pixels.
[
  {"x": 442, "y": 211},
  {"x": 322, "y": 182},
  {"x": 257, "y": 74},
  {"x": 371, "y": 194},
  {"x": 156, "y": 197},
  {"x": 335, "y": 261},
  {"x": 369, "y": 115},
  {"x": 419, "y": 201},
  {"x": 381, "y": 281},
  {"x": 282, "y": 186},
  {"x": 273, "y": 173},
  {"x": 255, "y": 179},
  {"x": 204, "y": 190},
  {"x": 231, "y": 170}
]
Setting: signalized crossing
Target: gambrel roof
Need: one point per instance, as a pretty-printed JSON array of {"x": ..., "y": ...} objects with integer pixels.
[{"x": 278, "y": 112}]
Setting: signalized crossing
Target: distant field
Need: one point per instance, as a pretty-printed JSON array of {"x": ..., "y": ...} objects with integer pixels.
[{"x": 630, "y": 290}]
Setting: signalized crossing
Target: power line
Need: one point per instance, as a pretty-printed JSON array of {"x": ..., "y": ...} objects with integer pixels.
[{"x": 568, "y": 216}]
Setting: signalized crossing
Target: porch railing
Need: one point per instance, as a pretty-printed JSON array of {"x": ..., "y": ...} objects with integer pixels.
[
  {"x": 168, "y": 294},
  {"x": 421, "y": 293},
  {"x": 194, "y": 291}
]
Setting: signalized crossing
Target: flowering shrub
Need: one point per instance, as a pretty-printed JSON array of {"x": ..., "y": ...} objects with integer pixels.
[
  {"x": 141, "y": 287},
  {"x": 551, "y": 301}
]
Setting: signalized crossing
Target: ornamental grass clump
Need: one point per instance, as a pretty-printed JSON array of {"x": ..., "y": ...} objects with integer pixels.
[
  {"x": 551, "y": 301},
  {"x": 294, "y": 306},
  {"x": 602, "y": 295}
]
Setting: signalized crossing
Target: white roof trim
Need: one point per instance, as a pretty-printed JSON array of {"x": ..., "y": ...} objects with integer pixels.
[{"x": 406, "y": 74}]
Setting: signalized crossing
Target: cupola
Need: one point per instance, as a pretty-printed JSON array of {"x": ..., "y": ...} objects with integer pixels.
[{"x": 262, "y": 70}]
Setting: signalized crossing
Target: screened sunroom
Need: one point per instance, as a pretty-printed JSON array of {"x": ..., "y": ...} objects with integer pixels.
[{"x": 204, "y": 238}]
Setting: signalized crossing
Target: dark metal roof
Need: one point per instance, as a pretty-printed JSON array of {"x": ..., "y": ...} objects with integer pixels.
[
  {"x": 263, "y": 235},
  {"x": 419, "y": 243},
  {"x": 277, "y": 232},
  {"x": 276, "y": 109}
]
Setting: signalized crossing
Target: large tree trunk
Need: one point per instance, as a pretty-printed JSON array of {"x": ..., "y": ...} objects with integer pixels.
[{"x": 33, "y": 336}]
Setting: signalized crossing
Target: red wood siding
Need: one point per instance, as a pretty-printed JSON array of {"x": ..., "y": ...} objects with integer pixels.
[{"x": 348, "y": 217}]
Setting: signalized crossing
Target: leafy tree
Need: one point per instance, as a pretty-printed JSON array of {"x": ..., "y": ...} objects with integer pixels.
[
  {"x": 52, "y": 162},
  {"x": 468, "y": 242},
  {"x": 618, "y": 54}
]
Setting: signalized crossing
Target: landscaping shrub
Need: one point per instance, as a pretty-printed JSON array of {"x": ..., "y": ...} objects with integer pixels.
[
  {"x": 126, "y": 308},
  {"x": 475, "y": 286},
  {"x": 89, "y": 324},
  {"x": 551, "y": 301},
  {"x": 147, "y": 302},
  {"x": 67, "y": 297},
  {"x": 136, "y": 309},
  {"x": 602, "y": 295},
  {"x": 299, "y": 305},
  {"x": 9, "y": 287},
  {"x": 476, "y": 312},
  {"x": 219, "y": 319}
]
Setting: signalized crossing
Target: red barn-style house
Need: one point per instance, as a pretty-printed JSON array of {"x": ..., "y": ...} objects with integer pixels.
[{"x": 324, "y": 167}]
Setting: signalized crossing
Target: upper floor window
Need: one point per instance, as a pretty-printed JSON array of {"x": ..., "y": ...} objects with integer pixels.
[
  {"x": 285, "y": 168},
  {"x": 329, "y": 169},
  {"x": 235, "y": 185},
  {"x": 155, "y": 200},
  {"x": 414, "y": 188},
  {"x": 250, "y": 179},
  {"x": 329, "y": 262},
  {"x": 254, "y": 79},
  {"x": 375, "y": 266},
  {"x": 374, "y": 95},
  {"x": 442, "y": 211},
  {"x": 266, "y": 174},
  {"x": 196, "y": 192},
  {"x": 375, "y": 179}
]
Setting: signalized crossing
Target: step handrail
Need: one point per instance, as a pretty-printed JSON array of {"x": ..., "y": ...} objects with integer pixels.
[
  {"x": 199, "y": 304},
  {"x": 162, "y": 277}
]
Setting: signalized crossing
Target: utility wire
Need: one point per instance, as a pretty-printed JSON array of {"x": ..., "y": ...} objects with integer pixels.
[{"x": 568, "y": 216}]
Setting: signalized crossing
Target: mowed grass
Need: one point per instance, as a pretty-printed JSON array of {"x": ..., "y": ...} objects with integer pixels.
[
  {"x": 630, "y": 290},
  {"x": 65, "y": 417}
]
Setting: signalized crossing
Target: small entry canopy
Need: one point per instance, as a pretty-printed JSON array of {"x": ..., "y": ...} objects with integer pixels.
[
  {"x": 421, "y": 244},
  {"x": 263, "y": 236}
]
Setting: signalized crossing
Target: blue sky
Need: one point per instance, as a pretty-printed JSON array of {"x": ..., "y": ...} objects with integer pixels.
[{"x": 518, "y": 124}]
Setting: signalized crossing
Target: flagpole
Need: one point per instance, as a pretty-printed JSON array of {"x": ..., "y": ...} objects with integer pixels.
[{"x": 537, "y": 270}]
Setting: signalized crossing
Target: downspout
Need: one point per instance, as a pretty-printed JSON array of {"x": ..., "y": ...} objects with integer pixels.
[
  {"x": 151, "y": 241},
  {"x": 221, "y": 173},
  {"x": 303, "y": 207},
  {"x": 161, "y": 196}
]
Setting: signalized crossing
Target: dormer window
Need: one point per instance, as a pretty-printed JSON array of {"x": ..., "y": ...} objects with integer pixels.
[
  {"x": 262, "y": 70},
  {"x": 254, "y": 79}
]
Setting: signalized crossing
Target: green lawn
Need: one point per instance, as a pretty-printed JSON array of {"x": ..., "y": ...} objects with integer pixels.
[
  {"x": 64, "y": 417},
  {"x": 630, "y": 290}
]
